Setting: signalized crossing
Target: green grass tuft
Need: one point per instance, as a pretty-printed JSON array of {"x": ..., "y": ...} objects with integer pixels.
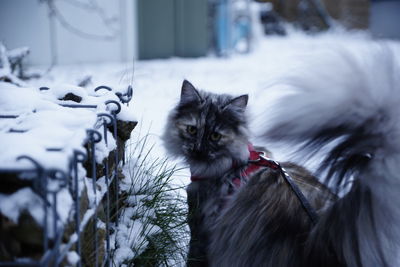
[{"x": 158, "y": 207}]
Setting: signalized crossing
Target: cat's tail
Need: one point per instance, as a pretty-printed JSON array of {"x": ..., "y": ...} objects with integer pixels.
[{"x": 349, "y": 111}]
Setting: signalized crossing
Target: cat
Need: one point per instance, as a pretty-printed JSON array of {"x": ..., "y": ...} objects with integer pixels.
[
  {"x": 347, "y": 107},
  {"x": 209, "y": 131}
]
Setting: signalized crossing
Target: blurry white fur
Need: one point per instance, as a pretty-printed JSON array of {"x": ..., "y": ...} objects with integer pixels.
[
  {"x": 352, "y": 99},
  {"x": 347, "y": 104}
]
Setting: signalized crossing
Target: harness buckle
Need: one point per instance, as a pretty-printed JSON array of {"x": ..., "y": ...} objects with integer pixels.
[{"x": 262, "y": 155}]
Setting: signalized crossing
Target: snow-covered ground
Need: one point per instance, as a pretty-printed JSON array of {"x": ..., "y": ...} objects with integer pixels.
[{"x": 157, "y": 83}]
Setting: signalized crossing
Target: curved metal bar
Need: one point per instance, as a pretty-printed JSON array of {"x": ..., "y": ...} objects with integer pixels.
[
  {"x": 58, "y": 175},
  {"x": 37, "y": 164},
  {"x": 120, "y": 96},
  {"x": 94, "y": 136},
  {"x": 127, "y": 97},
  {"x": 102, "y": 87},
  {"x": 111, "y": 118},
  {"x": 40, "y": 186},
  {"x": 80, "y": 156},
  {"x": 130, "y": 91},
  {"x": 115, "y": 103}
]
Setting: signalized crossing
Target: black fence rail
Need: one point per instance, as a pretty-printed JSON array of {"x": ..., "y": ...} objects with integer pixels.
[{"x": 84, "y": 239}]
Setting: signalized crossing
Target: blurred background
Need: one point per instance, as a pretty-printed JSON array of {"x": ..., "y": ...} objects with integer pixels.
[
  {"x": 91, "y": 31},
  {"x": 226, "y": 46}
]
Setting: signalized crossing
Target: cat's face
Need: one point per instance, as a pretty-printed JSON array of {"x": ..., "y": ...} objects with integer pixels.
[{"x": 207, "y": 128}]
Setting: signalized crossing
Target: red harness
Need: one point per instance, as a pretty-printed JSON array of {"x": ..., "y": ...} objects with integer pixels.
[{"x": 258, "y": 160}]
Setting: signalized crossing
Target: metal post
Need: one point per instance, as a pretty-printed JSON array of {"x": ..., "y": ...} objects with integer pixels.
[
  {"x": 77, "y": 209},
  {"x": 76, "y": 160},
  {"x": 105, "y": 124},
  {"x": 62, "y": 179},
  {"x": 114, "y": 122},
  {"x": 94, "y": 137},
  {"x": 108, "y": 202},
  {"x": 55, "y": 218},
  {"x": 40, "y": 186}
]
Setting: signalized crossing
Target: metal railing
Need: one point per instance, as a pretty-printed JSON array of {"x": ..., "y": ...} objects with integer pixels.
[{"x": 47, "y": 183}]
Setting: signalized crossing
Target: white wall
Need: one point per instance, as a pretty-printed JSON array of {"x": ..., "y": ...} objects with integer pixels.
[{"x": 27, "y": 23}]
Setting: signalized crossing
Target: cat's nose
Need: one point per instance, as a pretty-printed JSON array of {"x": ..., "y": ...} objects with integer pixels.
[
  {"x": 199, "y": 153},
  {"x": 196, "y": 147}
]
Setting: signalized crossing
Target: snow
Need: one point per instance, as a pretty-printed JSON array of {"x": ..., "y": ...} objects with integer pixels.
[
  {"x": 44, "y": 124},
  {"x": 73, "y": 258},
  {"x": 24, "y": 199},
  {"x": 17, "y": 52},
  {"x": 50, "y": 134}
]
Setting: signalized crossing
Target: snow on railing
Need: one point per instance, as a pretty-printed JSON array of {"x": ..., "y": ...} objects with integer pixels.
[{"x": 62, "y": 148}]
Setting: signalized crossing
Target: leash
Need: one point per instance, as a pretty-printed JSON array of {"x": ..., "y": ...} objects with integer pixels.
[{"x": 266, "y": 162}]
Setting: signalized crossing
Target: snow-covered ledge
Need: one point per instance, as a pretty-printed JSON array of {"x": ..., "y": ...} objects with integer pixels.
[{"x": 54, "y": 143}]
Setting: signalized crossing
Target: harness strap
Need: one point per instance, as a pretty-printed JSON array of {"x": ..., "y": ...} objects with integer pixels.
[
  {"x": 311, "y": 212},
  {"x": 258, "y": 160}
]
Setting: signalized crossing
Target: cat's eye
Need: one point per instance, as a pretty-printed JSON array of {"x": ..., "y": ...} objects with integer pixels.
[
  {"x": 215, "y": 136},
  {"x": 191, "y": 129}
]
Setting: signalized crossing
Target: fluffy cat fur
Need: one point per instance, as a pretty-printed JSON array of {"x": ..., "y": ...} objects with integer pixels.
[
  {"x": 218, "y": 160},
  {"x": 208, "y": 113},
  {"x": 348, "y": 106},
  {"x": 211, "y": 160}
]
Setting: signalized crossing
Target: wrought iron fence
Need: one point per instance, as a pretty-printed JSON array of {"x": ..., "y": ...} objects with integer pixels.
[{"x": 58, "y": 238}]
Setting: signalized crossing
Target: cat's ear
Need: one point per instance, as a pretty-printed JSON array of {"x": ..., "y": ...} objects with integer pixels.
[
  {"x": 189, "y": 93},
  {"x": 239, "y": 102}
]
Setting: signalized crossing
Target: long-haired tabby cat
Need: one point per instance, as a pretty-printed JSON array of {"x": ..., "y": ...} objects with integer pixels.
[
  {"x": 348, "y": 106},
  {"x": 210, "y": 132}
]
